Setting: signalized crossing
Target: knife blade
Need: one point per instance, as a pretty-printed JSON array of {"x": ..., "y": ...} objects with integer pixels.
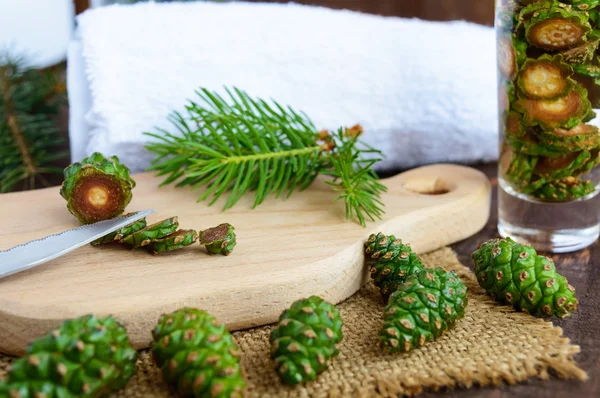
[{"x": 36, "y": 252}]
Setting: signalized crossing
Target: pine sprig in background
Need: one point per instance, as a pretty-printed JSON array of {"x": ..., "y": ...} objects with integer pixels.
[
  {"x": 29, "y": 103},
  {"x": 244, "y": 144}
]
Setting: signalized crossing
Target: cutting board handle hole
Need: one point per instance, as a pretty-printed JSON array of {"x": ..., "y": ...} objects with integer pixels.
[{"x": 428, "y": 186}]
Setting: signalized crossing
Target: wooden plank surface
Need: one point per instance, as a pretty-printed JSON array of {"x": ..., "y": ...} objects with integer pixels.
[
  {"x": 287, "y": 249},
  {"x": 582, "y": 269}
]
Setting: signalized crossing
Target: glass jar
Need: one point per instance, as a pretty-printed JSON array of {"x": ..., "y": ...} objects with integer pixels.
[{"x": 548, "y": 86}]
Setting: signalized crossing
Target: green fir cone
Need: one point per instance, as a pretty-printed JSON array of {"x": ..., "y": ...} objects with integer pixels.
[
  {"x": 390, "y": 262},
  {"x": 564, "y": 112},
  {"x": 97, "y": 188},
  {"x": 422, "y": 309},
  {"x": 547, "y": 77},
  {"x": 197, "y": 355},
  {"x": 219, "y": 239},
  {"x": 146, "y": 235},
  {"x": 564, "y": 190},
  {"x": 553, "y": 26},
  {"x": 174, "y": 241},
  {"x": 85, "y": 357},
  {"x": 515, "y": 274},
  {"x": 305, "y": 340},
  {"x": 121, "y": 233}
]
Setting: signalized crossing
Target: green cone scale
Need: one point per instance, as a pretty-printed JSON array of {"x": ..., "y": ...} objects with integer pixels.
[
  {"x": 121, "y": 233},
  {"x": 390, "y": 262},
  {"x": 197, "y": 355},
  {"x": 520, "y": 172},
  {"x": 305, "y": 340},
  {"x": 423, "y": 308},
  {"x": 97, "y": 188},
  {"x": 219, "y": 240},
  {"x": 583, "y": 5},
  {"x": 568, "y": 189},
  {"x": 146, "y": 235},
  {"x": 85, "y": 357},
  {"x": 515, "y": 274},
  {"x": 174, "y": 241}
]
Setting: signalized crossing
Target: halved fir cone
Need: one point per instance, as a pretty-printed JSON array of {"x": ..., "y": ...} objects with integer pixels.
[
  {"x": 546, "y": 77},
  {"x": 219, "y": 240},
  {"x": 570, "y": 188},
  {"x": 569, "y": 165},
  {"x": 85, "y": 357},
  {"x": 390, "y": 262},
  {"x": 197, "y": 355},
  {"x": 553, "y": 26},
  {"x": 564, "y": 112},
  {"x": 305, "y": 340},
  {"x": 511, "y": 54},
  {"x": 422, "y": 309},
  {"x": 174, "y": 241},
  {"x": 97, "y": 188},
  {"x": 158, "y": 230},
  {"x": 515, "y": 274},
  {"x": 579, "y": 138},
  {"x": 121, "y": 233}
]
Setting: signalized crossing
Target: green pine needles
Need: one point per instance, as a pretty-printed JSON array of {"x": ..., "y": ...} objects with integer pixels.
[
  {"x": 248, "y": 144},
  {"x": 28, "y": 133}
]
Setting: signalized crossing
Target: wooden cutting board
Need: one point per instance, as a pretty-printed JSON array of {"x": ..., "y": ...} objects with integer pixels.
[{"x": 287, "y": 250}]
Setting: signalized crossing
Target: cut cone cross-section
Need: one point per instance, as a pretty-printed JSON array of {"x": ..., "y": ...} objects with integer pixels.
[
  {"x": 545, "y": 78},
  {"x": 97, "y": 188}
]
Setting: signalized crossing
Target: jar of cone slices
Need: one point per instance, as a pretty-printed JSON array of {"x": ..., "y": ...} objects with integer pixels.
[{"x": 549, "y": 88}]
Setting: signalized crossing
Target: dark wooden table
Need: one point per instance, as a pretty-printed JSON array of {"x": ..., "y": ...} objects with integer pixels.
[{"x": 582, "y": 269}]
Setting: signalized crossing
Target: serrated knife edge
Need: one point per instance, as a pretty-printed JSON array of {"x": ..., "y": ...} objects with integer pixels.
[{"x": 16, "y": 259}]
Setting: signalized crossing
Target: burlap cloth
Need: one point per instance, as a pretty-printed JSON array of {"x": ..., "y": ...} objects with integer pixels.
[{"x": 491, "y": 345}]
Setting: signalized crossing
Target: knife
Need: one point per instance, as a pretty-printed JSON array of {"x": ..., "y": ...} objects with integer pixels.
[{"x": 36, "y": 252}]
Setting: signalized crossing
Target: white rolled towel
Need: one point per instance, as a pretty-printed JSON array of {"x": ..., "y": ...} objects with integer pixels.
[{"x": 424, "y": 92}]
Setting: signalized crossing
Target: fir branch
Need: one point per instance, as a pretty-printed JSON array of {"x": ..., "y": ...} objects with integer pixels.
[
  {"x": 244, "y": 144},
  {"x": 28, "y": 134},
  {"x": 355, "y": 179}
]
